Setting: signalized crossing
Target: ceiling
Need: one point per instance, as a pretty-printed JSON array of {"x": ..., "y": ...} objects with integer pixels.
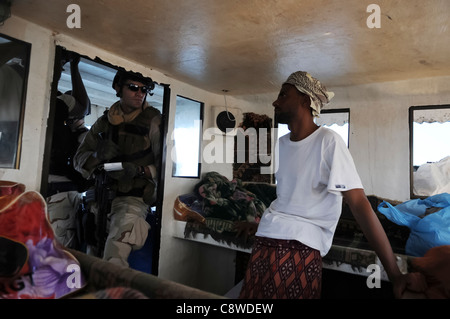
[{"x": 251, "y": 46}]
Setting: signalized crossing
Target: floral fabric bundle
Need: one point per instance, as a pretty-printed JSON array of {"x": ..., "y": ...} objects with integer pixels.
[{"x": 32, "y": 264}]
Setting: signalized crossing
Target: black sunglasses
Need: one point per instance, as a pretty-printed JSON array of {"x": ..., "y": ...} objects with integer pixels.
[{"x": 133, "y": 87}]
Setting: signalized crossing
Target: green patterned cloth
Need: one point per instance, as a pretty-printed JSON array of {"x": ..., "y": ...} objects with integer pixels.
[{"x": 228, "y": 200}]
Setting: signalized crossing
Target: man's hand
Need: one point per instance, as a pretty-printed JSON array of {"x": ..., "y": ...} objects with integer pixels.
[
  {"x": 408, "y": 285},
  {"x": 106, "y": 150},
  {"x": 245, "y": 229}
]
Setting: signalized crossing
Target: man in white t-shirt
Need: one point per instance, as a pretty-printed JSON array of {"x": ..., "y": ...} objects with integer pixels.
[{"x": 315, "y": 172}]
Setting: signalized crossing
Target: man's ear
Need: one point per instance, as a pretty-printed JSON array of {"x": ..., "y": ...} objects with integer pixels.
[{"x": 306, "y": 100}]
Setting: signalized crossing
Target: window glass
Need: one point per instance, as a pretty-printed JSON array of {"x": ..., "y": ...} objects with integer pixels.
[
  {"x": 14, "y": 65},
  {"x": 186, "y": 138},
  {"x": 430, "y": 150}
]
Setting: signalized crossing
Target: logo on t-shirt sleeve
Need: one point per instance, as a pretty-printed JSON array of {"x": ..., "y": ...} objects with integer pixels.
[{"x": 340, "y": 186}]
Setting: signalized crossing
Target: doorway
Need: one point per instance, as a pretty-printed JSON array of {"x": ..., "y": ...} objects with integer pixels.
[{"x": 97, "y": 77}]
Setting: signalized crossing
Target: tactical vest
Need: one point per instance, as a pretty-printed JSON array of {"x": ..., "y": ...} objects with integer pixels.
[{"x": 135, "y": 145}]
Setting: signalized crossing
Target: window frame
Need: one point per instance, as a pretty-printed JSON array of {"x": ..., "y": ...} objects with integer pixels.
[{"x": 341, "y": 110}]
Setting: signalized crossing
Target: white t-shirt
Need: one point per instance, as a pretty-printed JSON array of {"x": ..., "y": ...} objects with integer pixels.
[{"x": 311, "y": 175}]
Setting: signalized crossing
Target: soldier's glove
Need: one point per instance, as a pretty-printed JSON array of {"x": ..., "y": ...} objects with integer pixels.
[
  {"x": 129, "y": 171},
  {"x": 106, "y": 150}
]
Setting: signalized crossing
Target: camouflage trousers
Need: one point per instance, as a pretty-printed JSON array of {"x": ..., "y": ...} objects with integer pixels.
[
  {"x": 62, "y": 209},
  {"x": 128, "y": 229}
]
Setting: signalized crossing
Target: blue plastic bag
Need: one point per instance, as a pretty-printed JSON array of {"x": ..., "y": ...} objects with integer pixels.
[{"x": 428, "y": 219}]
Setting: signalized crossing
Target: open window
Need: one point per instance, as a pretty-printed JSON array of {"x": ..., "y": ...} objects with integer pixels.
[
  {"x": 335, "y": 119},
  {"x": 429, "y": 150}
]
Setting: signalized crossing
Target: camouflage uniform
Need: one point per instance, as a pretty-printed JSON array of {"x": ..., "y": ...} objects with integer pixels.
[
  {"x": 65, "y": 184},
  {"x": 128, "y": 229},
  {"x": 139, "y": 143},
  {"x": 62, "y": 210}
]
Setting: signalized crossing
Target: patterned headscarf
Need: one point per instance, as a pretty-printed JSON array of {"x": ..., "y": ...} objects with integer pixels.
[{"x": 310, "y": 86}]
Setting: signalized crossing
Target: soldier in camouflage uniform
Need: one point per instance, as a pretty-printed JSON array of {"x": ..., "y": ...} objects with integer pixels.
[
  {"x": 129, "y": 132},
  {"x": 65, "y": 184}
]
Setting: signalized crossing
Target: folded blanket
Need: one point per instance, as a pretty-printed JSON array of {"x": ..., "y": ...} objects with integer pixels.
[
  {"x": 217, "y": 203},
  {"x": 228, "y": 200}
]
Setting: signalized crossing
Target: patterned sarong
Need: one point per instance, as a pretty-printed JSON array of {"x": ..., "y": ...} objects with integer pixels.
[{"x": 282, "y": 269}]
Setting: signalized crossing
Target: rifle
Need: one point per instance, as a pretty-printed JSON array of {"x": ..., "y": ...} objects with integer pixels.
[{"x": 104, "y": 194}]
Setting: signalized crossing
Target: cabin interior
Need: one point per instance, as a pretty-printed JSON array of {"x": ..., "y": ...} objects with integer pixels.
[{"x": 384, "y": 62}]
